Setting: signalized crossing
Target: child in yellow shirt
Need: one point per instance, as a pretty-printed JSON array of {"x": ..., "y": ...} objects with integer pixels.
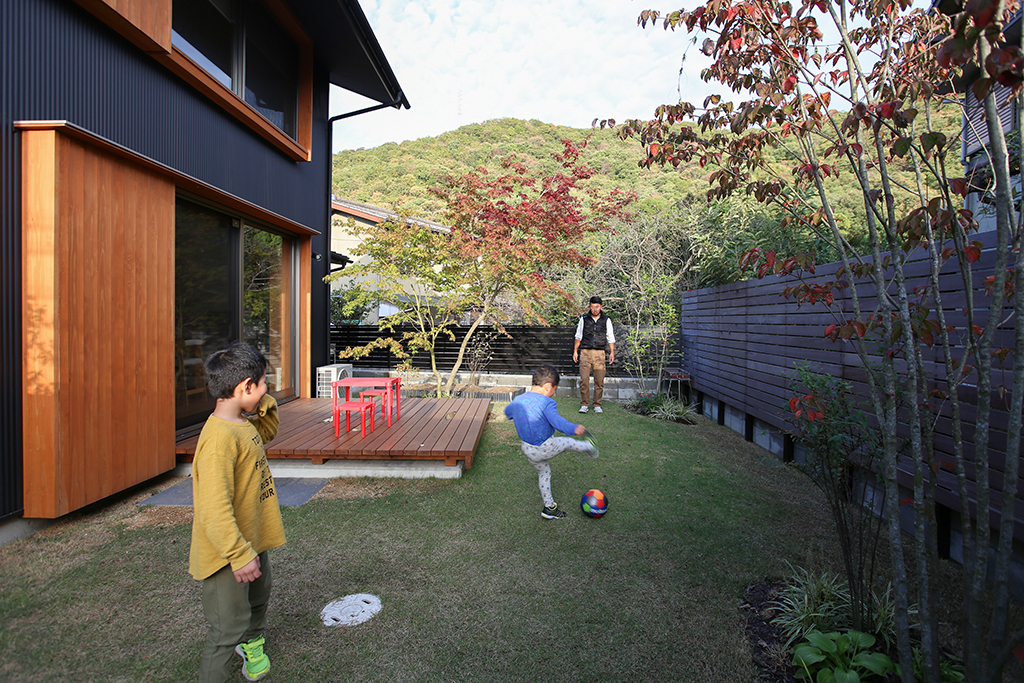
[{"x": 237, "y": 518}]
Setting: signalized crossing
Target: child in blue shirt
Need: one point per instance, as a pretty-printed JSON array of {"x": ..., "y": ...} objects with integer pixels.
[{"x": 536, "y": 418}]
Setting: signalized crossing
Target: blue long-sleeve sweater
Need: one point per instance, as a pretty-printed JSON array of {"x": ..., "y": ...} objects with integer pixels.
[{"x": 536, "y": 418}]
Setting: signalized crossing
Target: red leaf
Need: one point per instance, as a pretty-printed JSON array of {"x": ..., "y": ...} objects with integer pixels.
[
  {"x": 982, "y": 11},
  {"x": 1019, "y": 651},
  {"x": 981, "y": 88},
  {"x": 794, "y": 402},
  {"x": 748, "y": 256},
  {"x": 907, "y": 501},
  {"x": 888, "y": 109}
]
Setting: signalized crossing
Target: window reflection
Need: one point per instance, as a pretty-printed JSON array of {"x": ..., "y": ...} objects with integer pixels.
[
  {"x": 231, "y": 282},
  {"x": 243, "y": 46},
  {"x": 265, "y": 302},
  {"x": 205, "y": 279},
  {"x": 204, "y": 30}
]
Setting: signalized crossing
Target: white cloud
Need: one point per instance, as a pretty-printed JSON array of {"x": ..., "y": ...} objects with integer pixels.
[{"x": 560, "y": 61}]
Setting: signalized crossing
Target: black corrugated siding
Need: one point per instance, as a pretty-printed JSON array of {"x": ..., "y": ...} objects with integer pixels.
[{"x": 59, "y": 62}]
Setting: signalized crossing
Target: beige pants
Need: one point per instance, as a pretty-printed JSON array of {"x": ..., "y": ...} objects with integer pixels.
[{"x": 591, "y": 360}]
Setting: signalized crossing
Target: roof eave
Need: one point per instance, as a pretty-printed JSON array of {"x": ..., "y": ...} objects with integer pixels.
[{"x": 344, "y": 41}]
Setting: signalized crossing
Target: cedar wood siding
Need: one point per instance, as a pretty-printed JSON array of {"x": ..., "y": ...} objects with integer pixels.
[{"x": 59, "y": 62}]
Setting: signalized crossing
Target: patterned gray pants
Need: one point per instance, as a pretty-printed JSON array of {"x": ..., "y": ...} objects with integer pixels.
[{"x": 539, "y": 456}]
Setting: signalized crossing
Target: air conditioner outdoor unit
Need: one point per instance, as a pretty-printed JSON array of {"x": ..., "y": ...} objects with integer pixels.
[{"x": 325, "y": 374}]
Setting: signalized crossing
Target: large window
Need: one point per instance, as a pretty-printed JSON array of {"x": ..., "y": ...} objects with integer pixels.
[
  {"x": 233, "y": 280},
  {"x": 242, "y": 45}
]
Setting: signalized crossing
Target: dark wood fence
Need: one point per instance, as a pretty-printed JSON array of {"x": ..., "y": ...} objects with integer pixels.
[
  {"x": 742, "y": 341},
  {"x": 518, "y": 352}
]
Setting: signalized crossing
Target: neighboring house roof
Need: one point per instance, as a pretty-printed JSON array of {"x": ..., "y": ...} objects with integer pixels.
[
  {"x": 375, "y": 214},
  {"x": 345, "y": 42}
]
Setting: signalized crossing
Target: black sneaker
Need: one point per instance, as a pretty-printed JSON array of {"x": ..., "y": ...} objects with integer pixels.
[{"x": 552, "y": 512}]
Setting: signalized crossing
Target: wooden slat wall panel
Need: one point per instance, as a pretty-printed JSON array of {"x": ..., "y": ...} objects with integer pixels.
[
  {"x": 741, "y": 342},
  {"x": 147, "y": 23},
  {"x": 39, "y": 344},
  {"x": 106, "y": 301},
  {"x": 527, "y": 347}
]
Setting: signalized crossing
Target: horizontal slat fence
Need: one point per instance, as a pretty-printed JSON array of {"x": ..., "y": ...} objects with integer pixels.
[
  {"x": 519, "y": 352},
  {"x": 742, "y": 341}
]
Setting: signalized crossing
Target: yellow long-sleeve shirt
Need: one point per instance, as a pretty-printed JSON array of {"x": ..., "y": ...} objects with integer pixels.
[{"x": 236, "y": 513}]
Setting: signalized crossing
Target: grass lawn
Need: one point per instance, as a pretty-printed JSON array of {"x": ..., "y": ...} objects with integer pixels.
[{"x": 475, "y": 585}]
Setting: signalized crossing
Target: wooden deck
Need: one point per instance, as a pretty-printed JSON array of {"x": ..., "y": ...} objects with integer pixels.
[{"x": 445, "y": 429}]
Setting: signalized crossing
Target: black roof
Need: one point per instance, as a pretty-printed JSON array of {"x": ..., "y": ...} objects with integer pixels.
[{"x": 342, "y": 39}]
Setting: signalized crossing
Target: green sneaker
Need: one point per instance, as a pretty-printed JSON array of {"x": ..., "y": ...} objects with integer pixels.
[
  {"x": 589, "y": 438},
  {"x": 256, "y": 664}
]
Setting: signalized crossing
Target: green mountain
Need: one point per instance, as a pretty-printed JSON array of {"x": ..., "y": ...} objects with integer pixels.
[
  {"x": 400, "y": 175},
  {"x": 394, "y": 175}
]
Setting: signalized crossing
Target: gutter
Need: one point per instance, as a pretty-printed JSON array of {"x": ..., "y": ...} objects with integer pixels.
[
  {"x": 398, "y": 103},
  {"x": 329, "y": 157}
]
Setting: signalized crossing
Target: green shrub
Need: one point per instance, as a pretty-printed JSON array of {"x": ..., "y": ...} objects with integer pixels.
[
  {"x": 675, "y": 410},
  {"x": 840, "y": 658},
  {"x": 822, "y": 602},
  {"x": 812, "y": 602},
  {"x": 645, "y": 403},
  {"x": 950, "y": 671}
]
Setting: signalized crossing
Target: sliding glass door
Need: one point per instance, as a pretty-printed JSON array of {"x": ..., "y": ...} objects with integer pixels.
[
  {"x": 266, "y": 302},
  {"x": 233, "y": 280}
]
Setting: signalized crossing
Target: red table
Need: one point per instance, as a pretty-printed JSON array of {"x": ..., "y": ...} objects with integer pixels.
[{"x": 392, "y": 384}]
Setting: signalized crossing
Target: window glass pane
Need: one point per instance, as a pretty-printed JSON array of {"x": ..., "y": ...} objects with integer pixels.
[
  {"x": 205, "y": 301},
  {"x": 267, "y": 303},
  {"x": 271, "y": 68},
  {"x": 205, "y": 31}
]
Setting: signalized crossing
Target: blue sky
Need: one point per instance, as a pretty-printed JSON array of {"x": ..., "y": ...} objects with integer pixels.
[{"x": 560, "y": 61}]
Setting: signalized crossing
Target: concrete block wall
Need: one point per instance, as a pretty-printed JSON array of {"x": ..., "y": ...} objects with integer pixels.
[{"x": 616, "y": 389}]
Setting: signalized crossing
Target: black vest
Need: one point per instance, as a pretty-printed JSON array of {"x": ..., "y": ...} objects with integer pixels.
[{"x": 595, "y": 332}]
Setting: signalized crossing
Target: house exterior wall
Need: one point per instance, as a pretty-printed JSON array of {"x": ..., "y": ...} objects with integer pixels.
[
  {"x": 97, "y": 312},
  {"x": 60, "y": 62}
]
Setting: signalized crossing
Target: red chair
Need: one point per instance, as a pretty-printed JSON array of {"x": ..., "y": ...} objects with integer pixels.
[
  {"x": 348, "y": 407},
  {"x": 371, "y": 394}
]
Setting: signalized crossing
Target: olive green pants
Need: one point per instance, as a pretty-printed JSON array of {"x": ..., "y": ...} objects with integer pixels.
[{"x": 236, "y": 613}]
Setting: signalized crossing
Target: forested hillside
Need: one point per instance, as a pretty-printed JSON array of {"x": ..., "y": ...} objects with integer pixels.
[
  {"x": 401, "y": 174},
  {"x": 394, "y": 174}
]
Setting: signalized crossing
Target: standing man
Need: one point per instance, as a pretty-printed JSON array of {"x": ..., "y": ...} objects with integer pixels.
[{"x": 592, "y": 334}]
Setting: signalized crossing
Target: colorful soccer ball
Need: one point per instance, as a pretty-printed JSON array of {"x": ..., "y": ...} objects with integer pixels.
[{"x": 594, "y": 503}]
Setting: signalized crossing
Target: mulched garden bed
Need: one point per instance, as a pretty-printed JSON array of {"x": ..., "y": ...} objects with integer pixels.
[{"x": 767, "y": 642}]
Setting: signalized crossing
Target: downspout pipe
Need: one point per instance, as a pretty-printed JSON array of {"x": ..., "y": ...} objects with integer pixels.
[
  {"x": 398, "y": 103},
  {"x": 329, "y": 158}
]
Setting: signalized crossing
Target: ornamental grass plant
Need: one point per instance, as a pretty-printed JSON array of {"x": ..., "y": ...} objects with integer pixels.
[{"x": 475, "y": 586}]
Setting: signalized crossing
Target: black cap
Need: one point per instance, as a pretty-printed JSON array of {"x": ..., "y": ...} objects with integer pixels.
[{"x": 595, "y": 299}]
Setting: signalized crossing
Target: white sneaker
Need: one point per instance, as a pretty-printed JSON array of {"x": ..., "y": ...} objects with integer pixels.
[
  {"x": 584, "y": 409},
  {"x": 597, "y": 409}
]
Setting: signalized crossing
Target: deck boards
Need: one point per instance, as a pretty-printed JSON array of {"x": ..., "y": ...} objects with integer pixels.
[{"x": 447, "y": 429}]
